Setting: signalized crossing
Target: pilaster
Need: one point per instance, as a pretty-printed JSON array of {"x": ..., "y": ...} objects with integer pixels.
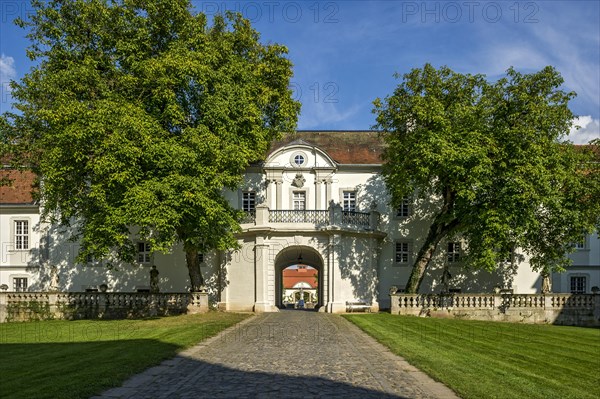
[
  {"x": 278, "y": 202},
  {"x": 261, "y": 258}
]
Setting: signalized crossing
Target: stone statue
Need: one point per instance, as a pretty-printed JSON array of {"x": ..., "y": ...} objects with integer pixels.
[
  {"x": 546, "y": 283},
  {"x": 54, "y": 279},
  {"x": 154, "y": 280},
  {"x": 446, "y": 277}
]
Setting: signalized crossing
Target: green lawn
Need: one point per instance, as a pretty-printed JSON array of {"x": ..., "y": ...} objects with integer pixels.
[
  {"x": 76, "y": 359},
  {"x": 494, "y": 360}
]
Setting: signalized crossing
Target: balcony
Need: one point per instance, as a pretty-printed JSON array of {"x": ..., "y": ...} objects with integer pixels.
[{"x": 333, "y": 218}]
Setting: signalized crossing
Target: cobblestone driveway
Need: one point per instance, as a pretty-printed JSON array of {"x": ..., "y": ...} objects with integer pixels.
[{"x": 290, "y": 354}]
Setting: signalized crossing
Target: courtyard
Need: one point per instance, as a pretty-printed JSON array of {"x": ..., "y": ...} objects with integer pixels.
[{"x": 297, "y": 354}]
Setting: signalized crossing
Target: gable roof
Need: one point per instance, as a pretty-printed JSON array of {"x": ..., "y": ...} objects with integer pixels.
[{"x": 360, "y": 147}]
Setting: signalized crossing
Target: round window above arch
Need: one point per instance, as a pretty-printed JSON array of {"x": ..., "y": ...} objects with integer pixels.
[{"x": 298, "y": 159}]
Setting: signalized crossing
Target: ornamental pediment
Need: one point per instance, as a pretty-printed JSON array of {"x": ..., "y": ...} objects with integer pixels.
[{"x": 299, "y": 155}]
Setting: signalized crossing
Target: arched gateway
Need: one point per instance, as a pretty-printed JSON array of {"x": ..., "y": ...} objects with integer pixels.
[{"x": 301, "y": 257}]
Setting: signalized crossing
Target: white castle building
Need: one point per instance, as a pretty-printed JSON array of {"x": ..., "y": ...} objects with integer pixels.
[{"x": 318, "y": 197}]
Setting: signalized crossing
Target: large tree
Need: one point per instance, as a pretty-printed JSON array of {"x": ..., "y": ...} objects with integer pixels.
[
  {"x": 139, "y": 114},
  {"x": 493, "y": 155}
]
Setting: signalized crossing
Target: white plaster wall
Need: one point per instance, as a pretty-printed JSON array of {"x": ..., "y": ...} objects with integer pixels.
[
  {"x": 356, "y": 270},
  {"x": 239, "y": 277},
  {"x": 586, "y": 262},
  {"x": 19, "y": 263},
  {"x": 121, "y": 276}
]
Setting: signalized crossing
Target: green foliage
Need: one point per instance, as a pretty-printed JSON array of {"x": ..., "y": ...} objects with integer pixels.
[
  {"x": 495, "y": 156},
  {"x": 140, "y": 113}
]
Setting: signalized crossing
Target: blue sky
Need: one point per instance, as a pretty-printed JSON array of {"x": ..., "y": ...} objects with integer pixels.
[{"x": 346, "y": 52}]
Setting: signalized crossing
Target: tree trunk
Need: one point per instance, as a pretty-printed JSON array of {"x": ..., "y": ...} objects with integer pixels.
[
  {"x": 438, "y": 230},
  {"x": 196, "y": 279}
]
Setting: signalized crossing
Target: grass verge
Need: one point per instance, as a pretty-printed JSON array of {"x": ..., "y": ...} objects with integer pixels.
[
  {"x": 481, "y": 360},
  {"x": 77, "y": 359}
]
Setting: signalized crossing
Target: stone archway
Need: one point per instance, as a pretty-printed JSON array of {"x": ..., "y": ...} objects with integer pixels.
[{"x": 289, "y": 257}]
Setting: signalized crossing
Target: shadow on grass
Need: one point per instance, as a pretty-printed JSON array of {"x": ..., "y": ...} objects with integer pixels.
[
  {"x": 84, "y": 369},
  {"x": 75, "y": 369}
]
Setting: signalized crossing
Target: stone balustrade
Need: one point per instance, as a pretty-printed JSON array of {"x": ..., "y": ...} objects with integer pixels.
[
  {"x": 25, "y": 306},
  {"x": 569, "y": 309}
]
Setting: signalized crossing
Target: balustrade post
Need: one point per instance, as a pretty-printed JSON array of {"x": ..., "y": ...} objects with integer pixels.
[
  {"x": 547, "y": 301},
  {"x": 102, "y": 304},
  {"x": 3, "y": 298},
  {"x": 53, "y": 303},
  {"x": 395, "y": 304},
  {"x": 374, "y": 220},
  {"x": 262, "y": 215},
  {"x": 198, "y": 303},
  {"x": 497, "y": 301},
  {"x": 335, "y": 214}
]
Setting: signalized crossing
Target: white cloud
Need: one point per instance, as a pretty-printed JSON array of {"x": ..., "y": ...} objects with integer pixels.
[
  {"x": 7, "y": 72},
  {"x": 589, "y": 129},
  {"x": 7, "y": 68}
]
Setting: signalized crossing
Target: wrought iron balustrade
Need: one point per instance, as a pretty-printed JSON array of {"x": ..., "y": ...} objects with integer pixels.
[
  {"x": 356, "y": 218},
  {"x": 299, "y": 216}
]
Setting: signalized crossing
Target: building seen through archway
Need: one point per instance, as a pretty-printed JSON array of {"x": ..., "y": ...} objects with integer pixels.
[{"x": 300, "y": 287}]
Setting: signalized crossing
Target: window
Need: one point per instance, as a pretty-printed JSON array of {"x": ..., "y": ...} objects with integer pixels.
[
  {"x": 580, "y": 244},
  {"x": 349, "y": 201},
  {"x": 20, "y": 284},
  {"x": 21, "y": 234},
  {"x": 143, "y": 252},
  {"x": 299, "y": 160},
  {"x": 200, "y": 258},
  {"x": 578, "y": 285},
  {"x": 402, "y": 252},
  {"x": 404, "y": 208},
  {"x": 248, "y": 201},
  {"x": 453, "y": 252},
  {"x": 299, "y": 200}
]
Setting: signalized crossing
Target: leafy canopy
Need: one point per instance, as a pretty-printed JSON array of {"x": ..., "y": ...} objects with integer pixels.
[
  {"x": 140, "y": 113},
  {"x": 494, "y": 154}
]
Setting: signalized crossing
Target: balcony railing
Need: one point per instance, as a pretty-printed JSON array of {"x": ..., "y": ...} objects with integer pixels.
[
  {"x": 356, "y": 218},
  {"x": 299, "y": 216},
  {"x": 334, "y": 216}
]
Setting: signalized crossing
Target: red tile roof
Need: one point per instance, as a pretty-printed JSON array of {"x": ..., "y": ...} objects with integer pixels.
[
  {"x": 19, "y": 191},
  {"x": 292, "y": 277},
  {"x": 345, "y": 147}
]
